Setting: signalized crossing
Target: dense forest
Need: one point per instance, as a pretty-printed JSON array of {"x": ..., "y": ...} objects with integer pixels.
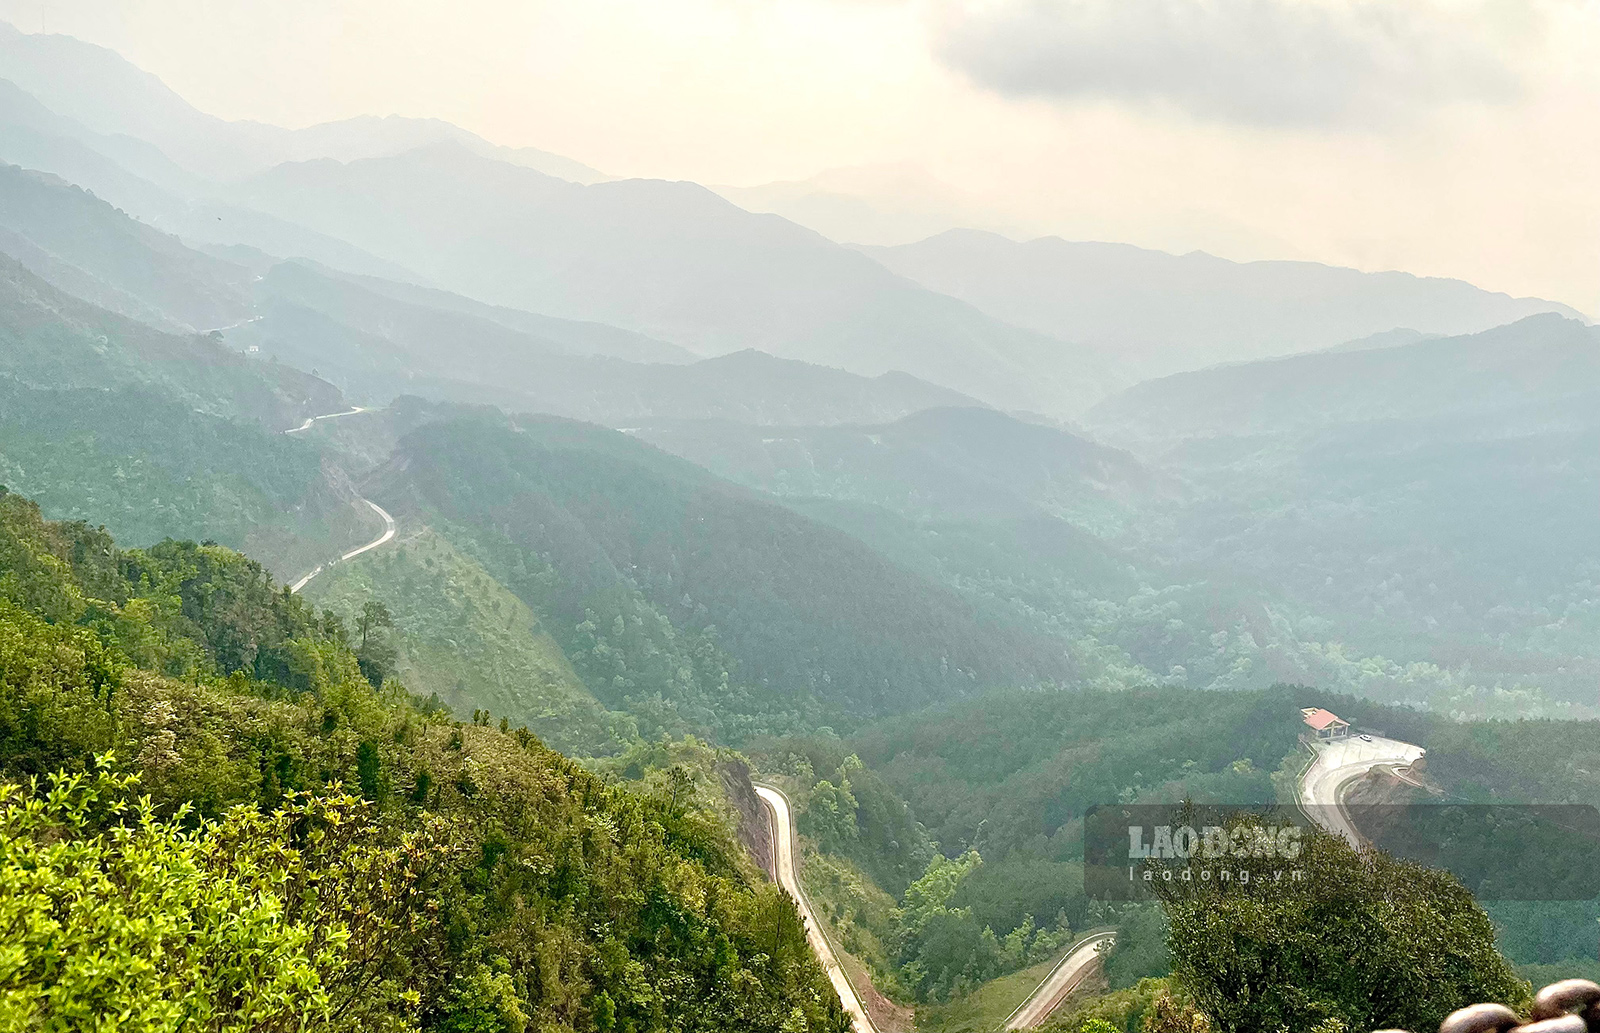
[
  {"x": 213, "y": 808},
  {"x": 687, "y": 600}
]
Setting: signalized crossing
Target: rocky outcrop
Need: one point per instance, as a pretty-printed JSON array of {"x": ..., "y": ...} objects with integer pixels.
[{"x": 753, "y": 827}]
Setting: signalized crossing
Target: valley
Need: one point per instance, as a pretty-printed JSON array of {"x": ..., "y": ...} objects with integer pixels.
[{"x": 526, "y": 598}]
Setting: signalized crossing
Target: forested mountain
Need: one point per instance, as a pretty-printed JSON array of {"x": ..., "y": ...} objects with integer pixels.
[
  {"x": 939, "y": 462},
  {"x": 464, "y": 638},
  {"x": 987, "y": 797},
  {"x": 658, "y": 479},
  {"x": 1159, "y": 313},
  {"x": 688, "y": 600},
  {"x": 155, "y": 434},
  {"x": 672, "y": 260},
  {"x": 1539, "y": 373},
  {"x": 54, "y": 340},
  {"x": 1433, "y": 498},
  {"x": 378, "y": 339},
  {"x": 83, "y": 245},
  {"x": 479, "y": 880}
]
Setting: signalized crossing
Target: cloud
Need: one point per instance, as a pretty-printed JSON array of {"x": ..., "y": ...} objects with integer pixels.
[{"x": 1275, "y": 63}]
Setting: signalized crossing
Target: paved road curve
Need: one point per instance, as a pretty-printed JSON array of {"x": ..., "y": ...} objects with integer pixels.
[
  {"x": 1339, "y": 763},
  {"x": 783, "y": 860},
  {"x": 326, "y": 416},
  {"x": 1062, "y": 980},
  {"x": 388, "y": 533},
  {"x": 388, "y": 521}
]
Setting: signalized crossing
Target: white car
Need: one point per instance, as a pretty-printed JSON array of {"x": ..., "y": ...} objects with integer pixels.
[{"x": 1365, "y": 738}]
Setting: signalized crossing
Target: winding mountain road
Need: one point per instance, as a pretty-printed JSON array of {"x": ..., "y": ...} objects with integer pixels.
[
  {"x": 388, "y": 521},
  {"x": 1341, "y": 762},
  {"x": 1062, "y": 980},
  {"x": 387, "y": 535},
  {"x": 783, "y": 859},
  {"x": 310, "y": 420}
]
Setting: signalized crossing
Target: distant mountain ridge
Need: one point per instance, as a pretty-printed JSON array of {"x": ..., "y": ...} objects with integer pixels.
[
  {"x": 671, "y": 260},
  {"x": 950, "y": 463},
  {"x": 1162, "y": 313},
  {"x": 1540, "y": 371},
  {"x": 106, "y": 93},
  {"x": 1045, "y": 326},
  {"x": 124, "y": 257},
  {"x": 365, "y": 335}
]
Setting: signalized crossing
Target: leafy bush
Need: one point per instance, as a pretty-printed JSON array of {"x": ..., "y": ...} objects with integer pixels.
[
  {"x": 1362, "y": 938},
  {"x": 259, "y": 922}
]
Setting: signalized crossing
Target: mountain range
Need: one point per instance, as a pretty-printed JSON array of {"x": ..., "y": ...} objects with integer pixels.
[
  {"x": 956, "y": 405},
  {"x": 1046, "y": 326},
  {"x": 1159, "y": 313}
]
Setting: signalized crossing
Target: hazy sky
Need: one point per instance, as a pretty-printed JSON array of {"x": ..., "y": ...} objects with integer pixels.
[{"x": 1450, "y": 137}]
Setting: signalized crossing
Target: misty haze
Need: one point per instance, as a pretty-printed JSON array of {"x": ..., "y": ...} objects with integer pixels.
[{"x": 800, "y": 516}]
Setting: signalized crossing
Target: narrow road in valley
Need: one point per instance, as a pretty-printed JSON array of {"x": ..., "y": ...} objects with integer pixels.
[
  {"x": 783, "y": 860},
  {"x": 234, "y": 326},
  {"x": 388, "y": 534},
  {"x": 310, "y": 420},
  {"x": 1062, "y": 980},
  {"x": 1337, "y": 764},
  {"x": 388, "y": 521}
]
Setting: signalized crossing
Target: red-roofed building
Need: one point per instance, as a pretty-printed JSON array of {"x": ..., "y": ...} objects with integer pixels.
[{"x": 1325, "y": 723}]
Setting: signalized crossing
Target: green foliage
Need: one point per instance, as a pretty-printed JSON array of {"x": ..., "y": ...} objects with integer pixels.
[
  {"x": 886, "y": 840},
  {"x": 489, "y": 884},
  {"x": 374, "y": 652},
  {"x": 462, "y": 635},
  {"x": 150, "y": 467},
  {"x": 830, "y": 815},
  {"x": 1140, "y": 951},
  {"x": 1362, "y": 938},
  {"x": 859, "y": 913},
  {"x": 1146, "y": 1007},
  {"x": 1017, "y": 768},
  {"x": 942, "y": 950},
  {"x": 261, "y": 922},
  {"x": 661, "y": 572}
]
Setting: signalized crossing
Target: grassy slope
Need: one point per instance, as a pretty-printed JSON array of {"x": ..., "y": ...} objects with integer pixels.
[
  {"x": 464, "y": 636},
  {"x": 986, "y": 1007}
]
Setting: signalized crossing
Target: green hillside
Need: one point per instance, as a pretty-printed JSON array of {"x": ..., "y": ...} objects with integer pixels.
[
  {"x": 465, "y": 638},
  {"x": 670, "y": 588},
  {"x": 157, "y": 435},
  {"x": 480, "y": 881},
  {"x": 49, "y": 339}
]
